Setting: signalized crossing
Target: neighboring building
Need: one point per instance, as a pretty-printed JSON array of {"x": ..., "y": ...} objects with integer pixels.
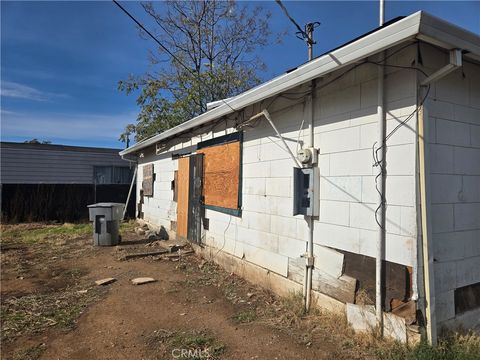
[
  {"x": 56, "y": 182},
  {"x": 225, "y": 179}
]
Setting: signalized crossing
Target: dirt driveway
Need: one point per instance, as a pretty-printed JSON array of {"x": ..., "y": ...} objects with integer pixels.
[
  {"x": 193, "y": 307},
  {"x": 51, "y": 308}
]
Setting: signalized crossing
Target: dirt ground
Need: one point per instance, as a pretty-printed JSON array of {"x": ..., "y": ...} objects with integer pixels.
[
  {"x": 51, "y": 308},
  {"x": 193, "y": 305}
]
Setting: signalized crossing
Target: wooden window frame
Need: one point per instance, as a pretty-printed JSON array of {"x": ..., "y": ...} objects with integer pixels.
[{"x": 222, "y": 140}]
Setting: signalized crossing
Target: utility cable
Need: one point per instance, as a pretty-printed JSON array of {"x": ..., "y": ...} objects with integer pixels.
[
  {"x": 376, "y": 160},
  {"x": 165, "y": 48},
  {"x": 299, "y": 28}
]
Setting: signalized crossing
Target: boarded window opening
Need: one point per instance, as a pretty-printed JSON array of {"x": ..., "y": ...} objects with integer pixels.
[
  {"x": 222, "y": 171},
  {"x": 148, "y": 178}
]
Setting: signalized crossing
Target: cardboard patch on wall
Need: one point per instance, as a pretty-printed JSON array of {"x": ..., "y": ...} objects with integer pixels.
[{"x": 221, "y": 164}]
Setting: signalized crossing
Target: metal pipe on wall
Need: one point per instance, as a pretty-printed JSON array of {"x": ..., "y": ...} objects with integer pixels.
[
  {"x": 380, "y": 161},
  {"x": 310, "y": 220},
  {"x": 134, "y": 177}
]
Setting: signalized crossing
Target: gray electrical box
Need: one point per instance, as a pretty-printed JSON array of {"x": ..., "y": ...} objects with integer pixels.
[
  {"x": 106, "y": 223},
  {"x": 305, "y": 191}
]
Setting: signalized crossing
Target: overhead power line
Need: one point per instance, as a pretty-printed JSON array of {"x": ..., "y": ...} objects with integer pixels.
[
  {"x": 300, "y": 30},
  {"x": 153, "y": 37},
  {"x": 164, "y": 47},
  {"x": 305, "y": 34}
]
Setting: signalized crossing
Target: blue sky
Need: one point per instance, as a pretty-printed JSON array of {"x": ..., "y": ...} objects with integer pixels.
[{"x": 61, "y": 61}]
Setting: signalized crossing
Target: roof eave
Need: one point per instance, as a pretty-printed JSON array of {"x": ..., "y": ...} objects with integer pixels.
[{"x": 418, "y": 25}]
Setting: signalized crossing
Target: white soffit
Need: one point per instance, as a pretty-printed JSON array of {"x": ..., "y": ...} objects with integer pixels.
[{"x": 418, "y": 25}]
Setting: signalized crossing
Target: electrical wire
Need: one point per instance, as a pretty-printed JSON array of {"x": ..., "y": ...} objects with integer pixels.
[
  {"x": 376, "y": 160},
  {"x": 299, "y": 28},
  {"x": 165, "y": 48}
]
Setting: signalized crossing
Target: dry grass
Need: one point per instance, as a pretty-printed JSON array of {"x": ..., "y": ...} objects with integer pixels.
[
  {"x": 319, "y": 326},
  {"x": 35, "y": 251},
  {"x": 30, "y": 353},
  {"x": 34, "y": 313},
  {"x": 198, "y": 344}
]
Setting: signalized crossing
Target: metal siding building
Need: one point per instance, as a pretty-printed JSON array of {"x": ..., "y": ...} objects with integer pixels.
[
  {"x": 42, "y": 182},
  {"x": 23, "y": 163}
]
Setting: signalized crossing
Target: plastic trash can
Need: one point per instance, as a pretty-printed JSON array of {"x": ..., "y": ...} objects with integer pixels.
[{"x": 106, "y": 219}]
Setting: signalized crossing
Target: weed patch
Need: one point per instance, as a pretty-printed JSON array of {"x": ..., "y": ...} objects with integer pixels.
[
  {"x": 31, "y": 353},
  {"x": 34, "y": 313},
  {"x": 246, "y": 316},
  {"x": 38, "y": 233},
  {"x": 198, "y": 344}
]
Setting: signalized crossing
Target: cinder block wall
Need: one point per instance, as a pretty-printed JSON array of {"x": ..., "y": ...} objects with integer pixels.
[
  {"x": 345, "y": 130},
  {"x": 454, "y": 137}
]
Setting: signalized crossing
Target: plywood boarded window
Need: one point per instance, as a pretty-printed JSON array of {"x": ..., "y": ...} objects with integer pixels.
[
  {"x": 148, "y": 177},
  {"x": 221, "y": 173}
]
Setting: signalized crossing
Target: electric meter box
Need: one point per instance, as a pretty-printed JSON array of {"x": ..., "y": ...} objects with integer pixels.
[
  {"x": 308, "y": 156},
  {"x": 306, "y": 186}
]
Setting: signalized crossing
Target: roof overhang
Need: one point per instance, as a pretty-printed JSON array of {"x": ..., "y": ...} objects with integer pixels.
[{"x": 419, "y": 25}]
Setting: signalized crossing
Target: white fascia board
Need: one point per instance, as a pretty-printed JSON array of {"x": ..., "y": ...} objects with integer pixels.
[
  {"x": 449, "y": 36},
  {"x": 373, "y": 43}
]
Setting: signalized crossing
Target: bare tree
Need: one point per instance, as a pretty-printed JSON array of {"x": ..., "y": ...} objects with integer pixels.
[{"x": 215, "y": 46}]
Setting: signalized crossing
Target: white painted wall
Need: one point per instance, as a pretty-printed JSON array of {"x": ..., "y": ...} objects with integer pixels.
[
  {"x": 345, "y": 129},
  {"x": 454, "y": 137}
]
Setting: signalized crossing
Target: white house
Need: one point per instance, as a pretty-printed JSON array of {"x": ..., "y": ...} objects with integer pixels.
[{"x": 225, "y": 179}]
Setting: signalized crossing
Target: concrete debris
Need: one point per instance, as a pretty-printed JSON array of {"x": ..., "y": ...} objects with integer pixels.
[
  {"x": 139, "y": 231},
  {"x": 142, "y": 280},
  {"x": 363, "y": 319},
  {"x": 105, "y": 281},
  {"x": 82, "y": 291}
]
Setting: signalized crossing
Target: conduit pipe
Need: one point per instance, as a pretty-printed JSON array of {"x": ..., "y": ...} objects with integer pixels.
[
  {"x": 427, "y": 246},
  {"x": 380, "y": 156},
  {"x": 310, "y": 258},
  {"x": 267, "y": 116},
  {"x": 431, "y": 323},
  {"x": 130, "y": 191}
]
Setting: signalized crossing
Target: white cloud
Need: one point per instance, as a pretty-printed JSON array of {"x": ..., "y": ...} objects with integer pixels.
[{"x": 19, "y": 91}]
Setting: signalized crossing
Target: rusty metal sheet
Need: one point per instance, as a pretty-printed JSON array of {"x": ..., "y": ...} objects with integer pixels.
[{"x": 221, "y": 164}]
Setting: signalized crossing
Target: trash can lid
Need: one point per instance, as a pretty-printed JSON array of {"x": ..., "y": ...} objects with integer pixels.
[{"x": 105, "y": 205}]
